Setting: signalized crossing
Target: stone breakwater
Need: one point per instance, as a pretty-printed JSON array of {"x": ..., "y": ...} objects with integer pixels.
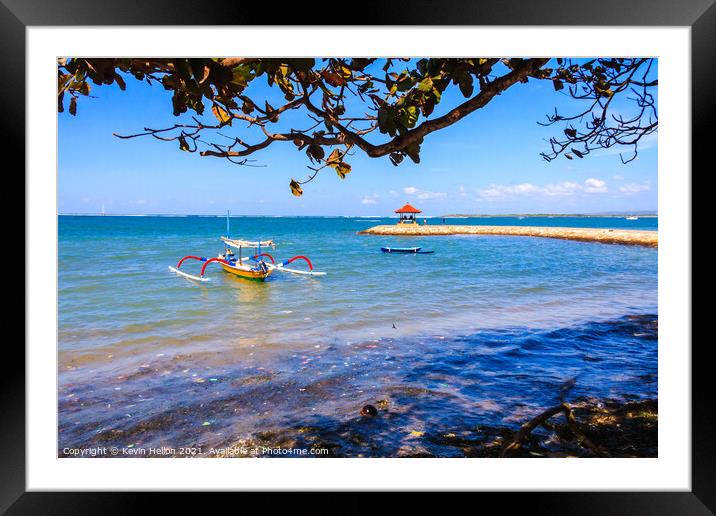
[{"x": 605, "y": 236}]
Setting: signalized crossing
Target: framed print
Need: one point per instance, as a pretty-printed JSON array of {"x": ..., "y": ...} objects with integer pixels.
[{"x": 356, "y": 257}]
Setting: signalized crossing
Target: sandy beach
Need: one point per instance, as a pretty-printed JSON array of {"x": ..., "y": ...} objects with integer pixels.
[{"x": 605, "y": 236}]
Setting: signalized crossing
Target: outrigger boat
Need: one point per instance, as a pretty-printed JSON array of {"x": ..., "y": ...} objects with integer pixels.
[
  {"x": 258, "y": 266},
  {"x": 405, "y": 250}
]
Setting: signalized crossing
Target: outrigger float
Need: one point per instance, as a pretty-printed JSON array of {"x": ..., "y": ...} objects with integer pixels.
[{"x": 258, "y": 266}]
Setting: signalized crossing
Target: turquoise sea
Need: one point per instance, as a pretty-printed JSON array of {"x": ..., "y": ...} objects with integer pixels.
[{"x": 482, "y": 332}]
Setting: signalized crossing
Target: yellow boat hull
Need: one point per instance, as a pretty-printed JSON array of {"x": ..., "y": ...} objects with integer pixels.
[{"x": 246, "y": 272}]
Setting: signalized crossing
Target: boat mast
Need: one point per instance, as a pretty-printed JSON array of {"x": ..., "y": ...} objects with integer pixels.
[{"x": 226, "y": 246}]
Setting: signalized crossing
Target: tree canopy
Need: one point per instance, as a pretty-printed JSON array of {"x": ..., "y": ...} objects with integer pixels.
[{"x": 378, "y": 107}]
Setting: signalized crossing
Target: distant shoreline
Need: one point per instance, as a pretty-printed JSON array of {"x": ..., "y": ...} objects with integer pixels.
[
  {"x": 606, "y": 236},
  {"x": 451, "y": 216},
  {"x": 554, "y": 215}
]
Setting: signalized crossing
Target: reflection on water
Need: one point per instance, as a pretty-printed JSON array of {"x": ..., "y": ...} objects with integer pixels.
[{"x": 480, "y": 333}]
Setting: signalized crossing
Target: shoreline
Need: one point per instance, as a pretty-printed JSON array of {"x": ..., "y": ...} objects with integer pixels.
[
  {"x": 595, "y": 427},
  {"x": 646, "y": 238}
]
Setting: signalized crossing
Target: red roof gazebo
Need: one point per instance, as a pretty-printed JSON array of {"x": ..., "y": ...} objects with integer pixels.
[{"x": 407, "y": 214}]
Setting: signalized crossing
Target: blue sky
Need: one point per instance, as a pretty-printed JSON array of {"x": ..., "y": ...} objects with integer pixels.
[{"x": 487, "y": 163}]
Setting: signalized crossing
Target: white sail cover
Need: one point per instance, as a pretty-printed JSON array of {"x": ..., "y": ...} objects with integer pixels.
[{"x": 247, "y": 243}]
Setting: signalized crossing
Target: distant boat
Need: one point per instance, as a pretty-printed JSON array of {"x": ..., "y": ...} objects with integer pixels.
[
  {"x": 633, "y": 217},
  {"x": 405, "y": 250}
]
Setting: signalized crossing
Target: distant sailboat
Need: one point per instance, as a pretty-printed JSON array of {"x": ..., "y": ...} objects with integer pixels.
[
  {"x": 103, "y": 213},
  {"x": 632, "y": 217}
]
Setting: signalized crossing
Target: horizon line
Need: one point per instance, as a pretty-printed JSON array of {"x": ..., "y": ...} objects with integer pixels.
[{"x": 643, "y": 213}]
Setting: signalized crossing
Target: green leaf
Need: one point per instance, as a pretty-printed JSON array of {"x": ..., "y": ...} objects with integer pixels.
[
  {"x": 295, "y": 188},
  {"x": 382, "y": 120},
  {"x": 428, "y": 107},
  {"x": 315, "y": 152},
  {"x": 178, "y": 103},
  {"x": 466, "y": 86},
  {"x": 247, "y": 107},
  {"x": 241, "y": 75},
  {"x": 422, "y": 66},
  {"x": 62, "y": 80},
  {"x": 301, "y": 64},
  {"x": 426, "y": 85},
  {"x": 404, "y": 83},
  {"x": 437, "y": 95},
  {"x": 409, "y": 116},
  {"x": 413, "y": 151},
  {"x": 386, "y": 122},
  {"x": 183, "y": 69}
]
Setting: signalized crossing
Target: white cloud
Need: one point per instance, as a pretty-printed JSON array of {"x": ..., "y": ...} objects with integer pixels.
[
  {"x": 462, "y": 191},
  {"x": 370, "y": 199},
  {"x": 432, "y": 195},
  {"x": 633, "y": 188},
  {"x": 565, "y": 188},
  {"x": 524, "y": 188},
  {"x": 618, "y": 178},
  {"x": 592, "y": 185},
  {"x": 561, "y": 189},
  {"x": 424, "y": 194}
]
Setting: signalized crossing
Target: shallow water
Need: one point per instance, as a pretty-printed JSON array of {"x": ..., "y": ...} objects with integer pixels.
[{"x": 482, "y": 332}]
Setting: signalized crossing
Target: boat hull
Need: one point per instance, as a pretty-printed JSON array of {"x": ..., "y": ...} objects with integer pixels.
[
  {"x": 404, "y": 250},
  {"x": 247, "y": 273}
]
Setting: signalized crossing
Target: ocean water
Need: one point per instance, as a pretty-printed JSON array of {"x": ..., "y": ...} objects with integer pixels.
[{"x": 482, "y": 332}]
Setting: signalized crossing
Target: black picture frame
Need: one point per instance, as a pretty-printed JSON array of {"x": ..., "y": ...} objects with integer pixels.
[{"x": 699, "y": 15}]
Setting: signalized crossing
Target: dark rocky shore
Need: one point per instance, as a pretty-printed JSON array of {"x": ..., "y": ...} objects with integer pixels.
[
  {"x": 610, "y": 429},
  {"x": 597, "y": 429}
]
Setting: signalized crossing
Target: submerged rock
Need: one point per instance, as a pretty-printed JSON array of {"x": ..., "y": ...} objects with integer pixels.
[{"x": 369, "y": 410}]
